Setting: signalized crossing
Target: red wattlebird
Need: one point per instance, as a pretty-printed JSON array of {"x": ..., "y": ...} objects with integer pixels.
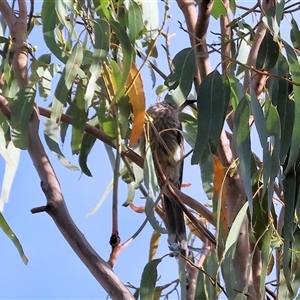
[{"x": 168, "y": 148}]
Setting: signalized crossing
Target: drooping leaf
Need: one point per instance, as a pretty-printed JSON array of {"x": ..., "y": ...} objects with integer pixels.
[
  {"x": 267, "y": 54},
  {"x": 79, "y": 121},
  {"x": 66, "y": 81},
  {"x": 148, "y": 280},
  {"x": 128, "y": 55},
  {"x": 211, "y": 114},
  {"x": 135, "y": 21},
  {"x": 154, "y": 242},
  {"x": 295, "y": 34},
  {"x": 289, "y": 185},
  {"x": 10, "y": 234},
  {"x": 151, "y": 18},
  {"x": 100, "y": 52},
  {"x": 295, "y": 71},
  {"x": 87, "y": 144},
  {"x": 50, "y": 21},
  {"x": 103, "y": 197},
  {"x": 218, "y": 9},
  {"x": 9, "y": 174},
  {"x": 138, "y": 103},
  {"x": 21, "y": 110},
  {"x": 51, "y": 130},
  {"x": 149, "y": 207},
  {"x": 242, "y": 139},
  {"x": 181, "y": 79},
  {"x": 219, "y": 199}
]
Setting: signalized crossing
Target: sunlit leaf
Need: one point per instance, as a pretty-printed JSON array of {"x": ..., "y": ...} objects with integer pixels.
[
  {"x": 137, "y": 101},
  {"x": 135, "y": 21},
  {"x": 181, "y": 79},
  {"x": 234, "y": 231},
  {"x": 50, "y": 21},
  {"x": 154, "y": 242},
  {"x": 128, "y": 54},
  {"x": 9, "y": 174},
  {"x": 66, "y": 81},
  {"x": 151, "y": 17},
  {"x": 218, "y": 9},
  {"x": 101, "y": 47}
]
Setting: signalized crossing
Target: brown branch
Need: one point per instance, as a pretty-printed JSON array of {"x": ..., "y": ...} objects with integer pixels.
[
  {"x": 203, "y": 61},
  {"x": 57, "y": 209},
  {"x": 261, "y": 31},
  {"x": 8, "y": 14},
  {"x": 56, "y": 206},
  {"x": 190, "y": 15},
  {"x": 191, "y": 202},
  {"x": 226, "y": 37}
]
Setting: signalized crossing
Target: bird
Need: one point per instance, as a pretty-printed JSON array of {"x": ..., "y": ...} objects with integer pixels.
[{"x": 167, "y": 143}]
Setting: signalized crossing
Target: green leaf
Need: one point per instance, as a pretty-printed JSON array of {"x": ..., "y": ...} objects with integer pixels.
[
  {"x": 128, "y": 55},
  {"x": 181, "y": 79},
  {"x": 135, "y": 21},
  {"x": 103, "y": 197},
  {"x": 295, "y": 34},
  {"x": 189, "y": 124},
  {"x": 51, "y": 130},
  {"x": 236, "y": 92},
  {"x": 295, "y": 71},
  {"x": 218, "y": 9},
  {"x": 79, "y": 121},
  {"x": 148, "y": 280},
  {"x": 66, "y": 81},
  {"x": 21, "y": 110},
  {"x": 87, "y": 144},
  {"x": 211, "y": 114},
  {"x": 289, "y": 184},
  {"x": 10, "y": 234},
  {"x": 242, "y": 138},
  {"x": 9, "y": 173},
  {"x": 50, "y": 22},
  {"x": 100, "y": 53},
  {"x": 268, "y": 53}
]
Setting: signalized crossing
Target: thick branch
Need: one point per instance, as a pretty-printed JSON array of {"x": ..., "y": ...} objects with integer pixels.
[
  {"x": 258, "y": 80},
  {"x": 226, "y": 36},
  {"x": 203, "y": 61},
  {"x": 7, "y": 14},
  {"x": 189, "y": 12},
  {"x": 57, "y": 209}
]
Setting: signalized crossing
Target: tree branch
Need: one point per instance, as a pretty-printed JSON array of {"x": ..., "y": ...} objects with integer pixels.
[
  {"x": 189, "y": 12},
  {"x": 7, "y": 14},
  {"x": 56, "y": 206},
  {"x": 203, "y": 61}
]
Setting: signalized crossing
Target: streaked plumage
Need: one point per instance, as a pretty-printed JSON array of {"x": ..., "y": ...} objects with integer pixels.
[{"x": 167, "y": 124}]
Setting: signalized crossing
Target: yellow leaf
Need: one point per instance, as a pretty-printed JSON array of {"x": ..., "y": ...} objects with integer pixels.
[
  {"x": 137, "y": 101},
  {"x": 154, "y": 244},
  {"x": 219, "y": 187}
]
